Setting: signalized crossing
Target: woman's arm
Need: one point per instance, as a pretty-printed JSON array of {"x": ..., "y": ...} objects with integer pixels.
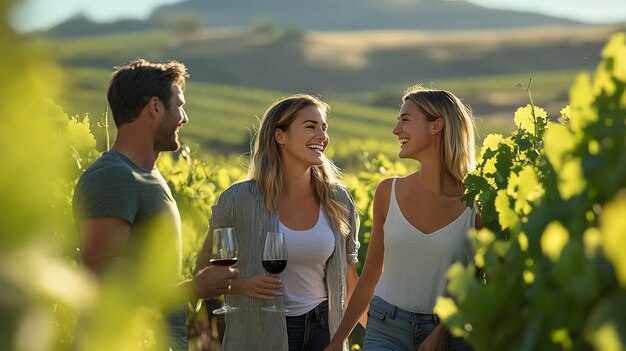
[
  {"x": 352, "y": 278},
  {"x": 364, "y": 289}
]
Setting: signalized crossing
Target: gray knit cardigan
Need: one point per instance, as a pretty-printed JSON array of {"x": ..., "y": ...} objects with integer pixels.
[{"x": 242, "y": 207}]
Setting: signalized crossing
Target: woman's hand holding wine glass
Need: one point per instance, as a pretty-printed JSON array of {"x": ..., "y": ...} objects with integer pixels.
[{"x": 260, "y": 287}]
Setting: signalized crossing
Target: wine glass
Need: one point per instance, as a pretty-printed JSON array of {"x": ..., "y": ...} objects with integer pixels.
[
  {"x": 224, "y": 253},
  {"x": 274, "y": 260}
]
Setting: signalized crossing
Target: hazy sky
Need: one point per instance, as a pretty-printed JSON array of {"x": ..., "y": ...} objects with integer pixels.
[{"x": 41, "y": 14}]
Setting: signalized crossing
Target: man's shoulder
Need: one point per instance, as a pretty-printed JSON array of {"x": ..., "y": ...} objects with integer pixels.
[
  {"x": 108, "y": 169},
  {"x": 106, "y": 189}
]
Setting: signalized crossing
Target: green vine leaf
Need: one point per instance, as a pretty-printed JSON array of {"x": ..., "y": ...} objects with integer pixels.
[{"x": 524, "y": 117}]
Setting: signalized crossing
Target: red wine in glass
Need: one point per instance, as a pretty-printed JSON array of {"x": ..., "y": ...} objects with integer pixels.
[
  {"x": 274, "y": 267},
  {"x": 224, "y": 253},
  {"x": 274, "y": 260},
  {"x": 225, "y": 262}
]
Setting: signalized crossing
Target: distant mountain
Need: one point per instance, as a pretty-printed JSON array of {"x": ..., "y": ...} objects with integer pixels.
[
  {"x": 343, "y": 15},
  {"x": 320, "y": 15},
  {"x": 81, "y": 26}
]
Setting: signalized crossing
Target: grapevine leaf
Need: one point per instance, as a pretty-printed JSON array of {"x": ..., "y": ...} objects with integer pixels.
[
  {"x": 565, "y": 114},
  {"x": 616, "y": 51},
  {"x": 489, "y": 167},
  {"x": 571, "y": 180},
  {"x": 603, "y": 80},
  {"x": 581, "y": 103},
  {"x": 558, "y": 141},
  {"x": 474, "y": 185},
  {"x": 524, "y": 144},
  {"x": 488, "y": 209},
  {"x": 561, "y": 337},
  {"x": 506, "y": 216},
  {"x": 553, "y": 240},
  {"x": 491, "y": 142},
  {"x": 445, "y": 307},
  {"x": 524, "y": 117},
  {"x": 592, "y": 241},
  {"x": 525, "y": 188},
  {"x": 504, "y": 161},
  {"x": 612, "y": 224},
  {"x": 606, "y": 337},
  {"x": 486, "y": 156}
]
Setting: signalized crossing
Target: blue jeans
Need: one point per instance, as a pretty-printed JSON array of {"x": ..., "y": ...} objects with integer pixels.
[
  {"x": 310, "y": 330},
  {"x": 391, "y": 328},
  {"x": 177, "y": 322}
]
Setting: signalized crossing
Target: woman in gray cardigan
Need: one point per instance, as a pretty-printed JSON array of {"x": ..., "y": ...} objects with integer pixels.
[{"x": 295, "y": 189}]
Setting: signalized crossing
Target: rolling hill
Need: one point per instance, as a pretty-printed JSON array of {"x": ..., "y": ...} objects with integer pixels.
[
  {"x": 359, "y": 55},
  {"x": 376, "y": 64},
  {"x": 321, "y": 15},
  {"x": 222, "y": 117}
]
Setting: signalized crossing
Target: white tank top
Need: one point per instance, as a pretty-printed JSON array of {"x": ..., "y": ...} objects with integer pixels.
[
  {"x": 415, "y": 264},
  {"x": 304, "y": 278}
]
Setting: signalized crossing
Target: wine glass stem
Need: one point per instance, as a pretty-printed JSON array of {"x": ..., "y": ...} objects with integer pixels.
[{"x": 274, "y": 302}]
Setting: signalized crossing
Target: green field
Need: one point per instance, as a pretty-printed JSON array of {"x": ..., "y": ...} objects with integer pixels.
[
  {"x": 222, "y": 117},
  {"x": 361, "y": 74}
]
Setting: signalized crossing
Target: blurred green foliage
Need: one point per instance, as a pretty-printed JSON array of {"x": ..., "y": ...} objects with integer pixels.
[
  {"x": 34, "y": 277},
  {"x": 553, "y": 197}
]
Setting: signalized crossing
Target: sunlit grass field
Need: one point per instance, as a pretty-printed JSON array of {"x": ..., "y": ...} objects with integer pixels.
[
  {"x": 344, "y": 67},
  {"x": 223, "y": 118}
]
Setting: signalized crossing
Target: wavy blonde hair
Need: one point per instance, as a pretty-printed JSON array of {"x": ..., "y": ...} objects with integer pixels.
[
  {"x": 266, "y": 166},
  {"x": 458, "y": 151}
]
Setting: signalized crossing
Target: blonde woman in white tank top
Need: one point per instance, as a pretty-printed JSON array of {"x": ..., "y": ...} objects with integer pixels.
[{"x": 419, "y": 229}]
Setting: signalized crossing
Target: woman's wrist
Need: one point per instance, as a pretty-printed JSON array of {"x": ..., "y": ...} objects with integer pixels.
[
  {"x": 235, "y": 287},
  {"x": 339, "y": 336}
]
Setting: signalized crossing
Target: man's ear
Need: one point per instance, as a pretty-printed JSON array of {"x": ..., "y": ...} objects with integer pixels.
[
  {"x": 155, "y": 106},
  {"x": 279, "y": 136},
  {"x": 437, "y": 126}
]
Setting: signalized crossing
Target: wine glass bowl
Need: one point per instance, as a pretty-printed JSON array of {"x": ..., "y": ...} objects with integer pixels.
[
  {"x": 274, "y": 267},
  {"x": 224, "y": 253},
  {"x": 274, "y": 260}
]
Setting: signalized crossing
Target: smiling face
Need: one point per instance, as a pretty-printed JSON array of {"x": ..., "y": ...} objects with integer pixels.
[
  {"x": 305, "y": 139},
  {"x": 174, "y": 117},
  {"x": 414, "y": 131}
]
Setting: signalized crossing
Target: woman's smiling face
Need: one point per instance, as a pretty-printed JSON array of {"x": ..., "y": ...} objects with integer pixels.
[
  {"x": 305, "y": 139},
  {"x": 413, "y": 130}
]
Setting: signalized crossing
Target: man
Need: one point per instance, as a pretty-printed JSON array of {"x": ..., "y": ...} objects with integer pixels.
[{"x": 118, "y": 198}]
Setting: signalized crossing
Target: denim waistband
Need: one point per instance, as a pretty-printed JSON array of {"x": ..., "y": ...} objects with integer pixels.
[
  {"x": 315, "y": 311},
  {"x": 394, "y": 311}
]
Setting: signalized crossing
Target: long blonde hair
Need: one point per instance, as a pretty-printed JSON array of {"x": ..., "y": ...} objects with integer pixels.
[
  {"x": 266, "y": 166},
  {"x": 458, "y": 152}
]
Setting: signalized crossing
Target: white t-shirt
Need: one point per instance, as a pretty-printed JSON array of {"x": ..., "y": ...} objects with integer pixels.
[{"x": 304, "y": 284}]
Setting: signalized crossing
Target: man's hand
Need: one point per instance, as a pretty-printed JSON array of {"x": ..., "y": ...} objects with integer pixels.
[
  {"x": 437, "y": 340},
  {"x": 258, "y": 287},
  {"x": 213, "y": 281}
]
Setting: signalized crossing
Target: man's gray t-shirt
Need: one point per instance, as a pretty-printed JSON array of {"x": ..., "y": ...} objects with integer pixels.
[{"x": 113, "y": 186}]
